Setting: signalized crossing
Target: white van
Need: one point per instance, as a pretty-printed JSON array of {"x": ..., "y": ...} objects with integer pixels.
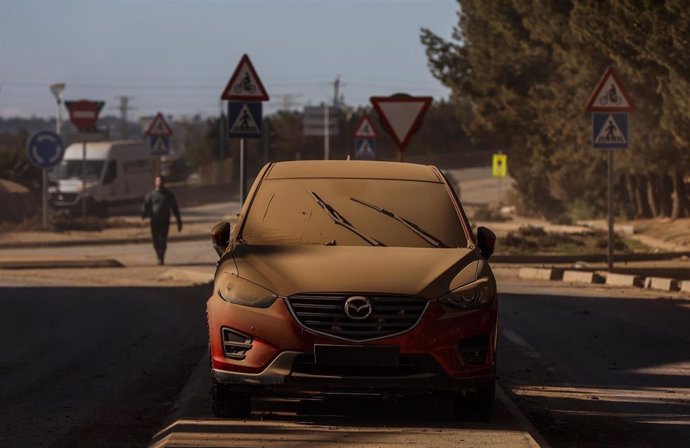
[{"x": 117, "y": 173}]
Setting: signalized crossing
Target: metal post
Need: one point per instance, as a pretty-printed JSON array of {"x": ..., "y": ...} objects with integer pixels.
[
  {"x": 45, "y": 198},
  {"x": 610, "y": 211},
  {"x": 243, "y": 173},
  {"x": 401, "y": 156},
  {"x": 83, "y": 180},
  {"x": 326, "y": 134},
  {"x": 500, "y": 190}
]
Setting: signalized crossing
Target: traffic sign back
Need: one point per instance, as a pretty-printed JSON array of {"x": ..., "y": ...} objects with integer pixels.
[
  {"x": 245, "y": 84},
  {"x": 45, "y": 149},
  {"x": 401, "y": 115},
  {"x": 609, "y": 95},
  {"x": 159, "y": 127}
]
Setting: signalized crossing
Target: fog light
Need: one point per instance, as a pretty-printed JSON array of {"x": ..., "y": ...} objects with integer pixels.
[
  {"x": 474, "y": 349},
  {"x": 235, "y": 344}
]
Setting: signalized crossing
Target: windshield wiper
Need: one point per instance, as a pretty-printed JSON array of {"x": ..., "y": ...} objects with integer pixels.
[
  {"x": 339, "y": 220},
  {"x": 423, "y": 234}
]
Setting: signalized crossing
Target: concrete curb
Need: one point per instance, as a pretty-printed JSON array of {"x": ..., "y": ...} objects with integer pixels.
[
  {"x": 541, "y": 273},
  {"x": 103, "y": 242},
  {"x": 582, "y": 277},
  {"x": 661, "y": 283},
  {"x": 57, "y": 264},
  {"x": 613, "y": 279}
]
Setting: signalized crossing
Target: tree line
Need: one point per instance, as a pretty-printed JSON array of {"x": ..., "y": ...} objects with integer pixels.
[{"x": 527, "y": 69}]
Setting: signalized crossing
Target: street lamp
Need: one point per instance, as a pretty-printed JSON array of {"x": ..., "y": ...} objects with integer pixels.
[{"x": 57, "y": 89}]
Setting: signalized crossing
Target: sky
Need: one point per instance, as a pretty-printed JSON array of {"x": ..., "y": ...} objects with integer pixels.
[{"x": 176, "y": 56}]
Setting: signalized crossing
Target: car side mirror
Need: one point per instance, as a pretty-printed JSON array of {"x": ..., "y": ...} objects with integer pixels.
[
  {"x": 486, "y": 241},
  {"x": 220, "y": 237}
]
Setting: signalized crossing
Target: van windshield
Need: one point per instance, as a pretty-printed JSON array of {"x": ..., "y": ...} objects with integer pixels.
[{"x": 72, "y": 169}]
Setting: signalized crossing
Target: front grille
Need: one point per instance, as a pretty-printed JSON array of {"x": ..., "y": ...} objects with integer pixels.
[{"x": 325, "y": 314}]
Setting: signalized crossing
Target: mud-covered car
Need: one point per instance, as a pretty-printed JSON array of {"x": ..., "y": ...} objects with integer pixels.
[{"x": 352, "y": 276}]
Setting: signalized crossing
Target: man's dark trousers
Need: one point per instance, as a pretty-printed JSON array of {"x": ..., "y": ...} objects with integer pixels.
[{"x": 159, "y": 234}]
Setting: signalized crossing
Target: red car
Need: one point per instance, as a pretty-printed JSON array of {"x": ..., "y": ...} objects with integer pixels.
[{"x": 352, "y": 276}]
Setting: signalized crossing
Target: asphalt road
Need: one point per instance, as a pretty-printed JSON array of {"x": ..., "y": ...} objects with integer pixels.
[
  {"x": 94, "y": 366},
  {"x": 591, "y": 370}
]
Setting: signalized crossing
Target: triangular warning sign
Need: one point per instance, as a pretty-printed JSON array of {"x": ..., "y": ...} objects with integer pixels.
[
  {"x": 609, "y": 95},
  {"x": 365, "y": 129},
  {"x": 245, "y": 84},
  {"x": 610, "y": 133},
  {"x": 401, "y": 115},
  {"x": 245, "y": 123},
  {"x": 159, "y": 127}
]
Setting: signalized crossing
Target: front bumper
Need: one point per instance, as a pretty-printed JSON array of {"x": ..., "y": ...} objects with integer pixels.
[
  {"x": 285, "y": 373},
  {"x": 281, "y": 351}
]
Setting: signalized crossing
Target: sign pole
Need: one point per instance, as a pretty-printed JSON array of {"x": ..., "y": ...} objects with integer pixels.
[
  {"x": 326, "y": 134},
  {"x": 83, "y": 180},
  {"x": 242, "y": 172},
  {"x": 610, "y": 210},
  {"x": 45, "y": 199}
]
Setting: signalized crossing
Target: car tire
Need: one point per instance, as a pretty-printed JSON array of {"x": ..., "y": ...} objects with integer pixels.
[
  {"x": 478, "y": 405},
  {"x": 229, "y": 403}
]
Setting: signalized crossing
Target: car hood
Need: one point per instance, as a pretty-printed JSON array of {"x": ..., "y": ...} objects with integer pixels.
[{"x": 287, "y": 270}]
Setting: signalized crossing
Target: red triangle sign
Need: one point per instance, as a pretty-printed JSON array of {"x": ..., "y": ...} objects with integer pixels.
[
  {"x": 245, "y": 84},
  {"x": 365, "y": 128},
  {"x": 159, "y": 127},
  {"x": 401, "y": 115},
  {"x": 609, "y": 95}
]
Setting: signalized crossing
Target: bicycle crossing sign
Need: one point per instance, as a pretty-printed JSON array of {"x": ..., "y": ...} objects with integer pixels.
[
  {"x": 610, "y": 130},
  {"x": 244, "y": 119},
  {"x": 609, "y": 95},
  {"x": 245, "y": 84}
]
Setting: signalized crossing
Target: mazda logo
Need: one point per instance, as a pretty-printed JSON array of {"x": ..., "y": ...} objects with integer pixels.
[{"x": 358, "y": 308}]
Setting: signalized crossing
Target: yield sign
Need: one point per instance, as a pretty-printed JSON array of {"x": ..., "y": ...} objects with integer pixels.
[
  {"x": 159, "y": 127},
  {"x": 401, "y": 115},
  {"x": 245, "y": 84},
  {"x": 609, "y": 95},
  {"x": 84, "y": 113},
  {"x": 365, "y": 129}
]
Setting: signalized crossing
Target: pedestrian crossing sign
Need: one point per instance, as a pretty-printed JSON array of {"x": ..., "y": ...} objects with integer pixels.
[
  {"x": 610, "y": 130},
  {"x": 500, "y": 165},
  {"x": 160, "y": 146},
  {"x": 244, "y": 119}
]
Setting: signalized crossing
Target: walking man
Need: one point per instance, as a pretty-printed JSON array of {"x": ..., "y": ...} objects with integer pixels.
[{"x": 158, "y": 205}]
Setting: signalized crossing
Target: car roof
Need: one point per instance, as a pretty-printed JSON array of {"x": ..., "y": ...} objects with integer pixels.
[{"x": 352, "y": 169}]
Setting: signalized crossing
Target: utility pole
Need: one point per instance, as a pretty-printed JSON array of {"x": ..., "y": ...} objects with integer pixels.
[
  {"x": 221, "y": 144},
  {"x": 124, "y": 108},
  {"x": 336, "y": 91}
]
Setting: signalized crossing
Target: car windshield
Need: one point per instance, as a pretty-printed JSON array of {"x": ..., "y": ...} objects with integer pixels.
[
  {"x": 72, "y": 169},
  {"x": 348, "y": 212}
]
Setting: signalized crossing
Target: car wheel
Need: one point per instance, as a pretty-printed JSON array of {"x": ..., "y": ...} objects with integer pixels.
[
  {"x": 478, "y": 405},
  {"x": 229, "y": 403}
]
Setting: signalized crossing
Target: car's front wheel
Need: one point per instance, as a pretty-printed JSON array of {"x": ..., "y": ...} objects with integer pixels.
[{"x": 228, "y": 402}]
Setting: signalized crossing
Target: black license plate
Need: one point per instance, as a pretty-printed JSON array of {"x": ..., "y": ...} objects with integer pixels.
[{"x": 356, "y": 355}]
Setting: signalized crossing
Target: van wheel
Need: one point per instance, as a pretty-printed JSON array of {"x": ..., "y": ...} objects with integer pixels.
[
  {"x": 478, "y": 405},
  {"x": 229, "y": 403}
]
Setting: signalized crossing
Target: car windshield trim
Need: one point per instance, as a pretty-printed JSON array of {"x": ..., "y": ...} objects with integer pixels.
[
  {"x": 423, "y": 234},
  {"x": 341, "y": 221}
]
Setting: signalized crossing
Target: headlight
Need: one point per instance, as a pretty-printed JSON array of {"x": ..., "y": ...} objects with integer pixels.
[
  {"x": 236, "y": 290},
  {"x": 468, "y": 297}
]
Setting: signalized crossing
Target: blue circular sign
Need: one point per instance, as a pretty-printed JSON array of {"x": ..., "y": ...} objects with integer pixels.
[{"x": 46, "y": 149}]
